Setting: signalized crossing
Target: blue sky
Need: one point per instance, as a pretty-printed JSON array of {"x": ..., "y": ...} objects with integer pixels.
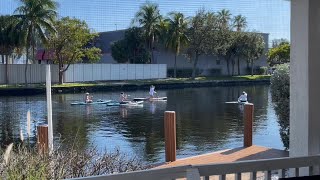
[{"x": 267, "y": 16}]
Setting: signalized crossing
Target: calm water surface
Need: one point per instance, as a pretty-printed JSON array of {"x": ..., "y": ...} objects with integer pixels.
[{"x": 205, "y": 123}]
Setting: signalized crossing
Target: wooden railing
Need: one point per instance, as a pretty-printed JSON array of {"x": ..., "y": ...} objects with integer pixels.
[{"x": 237, "y": 168}]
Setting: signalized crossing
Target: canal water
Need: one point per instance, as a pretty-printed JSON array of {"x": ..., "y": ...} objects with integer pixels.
[{"x": 205, "y": 123}]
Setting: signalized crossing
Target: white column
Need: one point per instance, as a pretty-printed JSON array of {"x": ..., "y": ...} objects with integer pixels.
[
  {"x": 49, "y": 107},
  {"x": 305, "y": 78}
]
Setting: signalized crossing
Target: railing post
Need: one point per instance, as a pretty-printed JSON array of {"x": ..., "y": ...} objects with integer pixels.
[
  {"x": 248, "y": 120},
  {"x": 42, "y": 138},
  {"x": 193, "y": 174},
  {"x": 170, "y": 135}
]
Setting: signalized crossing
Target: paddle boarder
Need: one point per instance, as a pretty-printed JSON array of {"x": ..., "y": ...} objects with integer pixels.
[
  {"x": 152, "y": 91},
  {"x": 88, "y": 98},
  {"x": 243, "y": 97},
  {"x": 123, "y": 97}
]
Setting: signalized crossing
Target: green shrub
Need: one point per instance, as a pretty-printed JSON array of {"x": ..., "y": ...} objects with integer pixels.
[
  {"x": 214, "y": 72},
  {"x": 182, "y": 73},
  {"x": 280, "y": 90},
  {"x": 262, "y": 70}
]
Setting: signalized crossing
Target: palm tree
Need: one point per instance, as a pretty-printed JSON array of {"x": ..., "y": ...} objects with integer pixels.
[
  {"x": 224, "y": 17},
  {"x": 9, "y": 39},
  {"x": 36, "y": 19},
  {"x": 239, "y": 23},
  {"x": 177, "y": 35},
  {"x": 149, "y": 19}
]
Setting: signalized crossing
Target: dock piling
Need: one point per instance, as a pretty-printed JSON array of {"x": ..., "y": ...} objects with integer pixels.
[
  {"x": 42, "y": 138},
  {"x": 170, "y": 135},
  {"x": 248, "y": 123}
]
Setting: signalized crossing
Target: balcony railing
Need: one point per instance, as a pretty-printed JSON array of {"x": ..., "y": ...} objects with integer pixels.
[{"x": 310, "y": 163}]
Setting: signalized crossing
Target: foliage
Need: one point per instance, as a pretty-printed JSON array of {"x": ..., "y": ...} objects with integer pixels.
[
  {"x": 64, "y": 163},
  {"x": 202, "y": 26},
  {"x": 224, "y": 17},
  {"x": 225, "y": 46},
  {"x": 9, "y": 35},
  {"x": 262, "y": 70},
  {"x": 119, "y": 51},
  {"x": 280, "y": 90},
  {"x": 279, "y": 54},
  {"x": 148, "y": 17},
  {"x": 36, "y": 19},
  {"x": 253, "y": 48},
  {"x": 239, "y": 23},
  {"x": 277, "y": 42},
  {"x": 72, "y": 43},
  {"x": 176, "y": 36},
  {"x": 131, "y": 49}
]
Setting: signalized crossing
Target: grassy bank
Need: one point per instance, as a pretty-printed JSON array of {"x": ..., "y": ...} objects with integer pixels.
[
  {"x": 168, "y": 83},
  {"x": 165, "y": 81}
]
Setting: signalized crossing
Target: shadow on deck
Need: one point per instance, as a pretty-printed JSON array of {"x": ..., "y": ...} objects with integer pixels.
[{"x": 230, "y": 155}]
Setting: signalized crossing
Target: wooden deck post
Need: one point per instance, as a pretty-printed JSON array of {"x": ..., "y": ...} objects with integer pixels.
[
  {"x": 248, "y": 120},
  {"x": 42, "y": 138},
  {"x": 170, "y": 135}
]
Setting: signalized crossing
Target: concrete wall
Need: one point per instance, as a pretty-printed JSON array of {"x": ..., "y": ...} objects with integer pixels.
[{"x": 84, "y": 72}]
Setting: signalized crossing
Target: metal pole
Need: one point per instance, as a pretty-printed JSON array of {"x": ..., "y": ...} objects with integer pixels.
[{"x": 49, "y": 107}]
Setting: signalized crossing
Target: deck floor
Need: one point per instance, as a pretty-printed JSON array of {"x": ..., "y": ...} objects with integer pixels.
[{"x": 230, "y": 155}]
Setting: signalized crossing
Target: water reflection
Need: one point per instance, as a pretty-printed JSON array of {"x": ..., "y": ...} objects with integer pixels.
[{"x": 205, "y": 122}]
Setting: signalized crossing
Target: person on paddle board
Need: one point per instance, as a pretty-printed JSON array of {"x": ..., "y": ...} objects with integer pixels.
[
  {"x": 243, "y": 97},
  {"x": 123, "y": 97},
  {"x": 88, "y": 98},
  {"x": 152, "y": 91}
]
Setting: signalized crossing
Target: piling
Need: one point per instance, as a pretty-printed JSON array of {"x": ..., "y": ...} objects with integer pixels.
[
  {"x": 248, "y": 124},
  {"x": 170, "y": 135},
  {"x": 42, "y": 138}
]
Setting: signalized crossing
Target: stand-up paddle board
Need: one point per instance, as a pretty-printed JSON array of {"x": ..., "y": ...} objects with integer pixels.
[
  {"x": 94, "y": 102},
  {"x": 151, "y": 99}
]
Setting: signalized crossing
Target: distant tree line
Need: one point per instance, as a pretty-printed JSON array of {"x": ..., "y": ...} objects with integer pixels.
[
  {"x": 35, "y": 24},
  {"x": 207, "y": 33}
]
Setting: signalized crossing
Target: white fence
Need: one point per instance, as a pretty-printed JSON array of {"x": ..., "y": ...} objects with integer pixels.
[
  {"x": 83, "y": 72},
  {"x": 102, "y": 72}
]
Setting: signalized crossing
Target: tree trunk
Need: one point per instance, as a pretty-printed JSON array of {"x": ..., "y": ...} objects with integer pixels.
[
  {"x": 239, "y": 66},
  {"x": 2, "y": 59},
  {"x": 194, "y": 66},
  {"x": 26, "y": 67},
  {"x": 228, "y": 66},
  {"x": 151, "y": 49},
  {"x": 60, "y": 73},
  {"x": 7, "y": 72},
  {"x": 175, "y": 65},
  {"x": 252, "y": 68},
  {"x": 233, "y": 63}
]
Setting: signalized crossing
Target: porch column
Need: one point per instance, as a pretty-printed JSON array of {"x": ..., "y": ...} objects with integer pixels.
[{"x": 305, "y": 78}]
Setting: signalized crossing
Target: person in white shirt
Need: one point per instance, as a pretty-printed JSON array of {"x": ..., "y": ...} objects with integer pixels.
[
  {"x": 243, "y": 97},
  {"x": 88, "y": 98},
  {"x": 123, "y": 97},
  {"x": 152, "y": 91}
]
